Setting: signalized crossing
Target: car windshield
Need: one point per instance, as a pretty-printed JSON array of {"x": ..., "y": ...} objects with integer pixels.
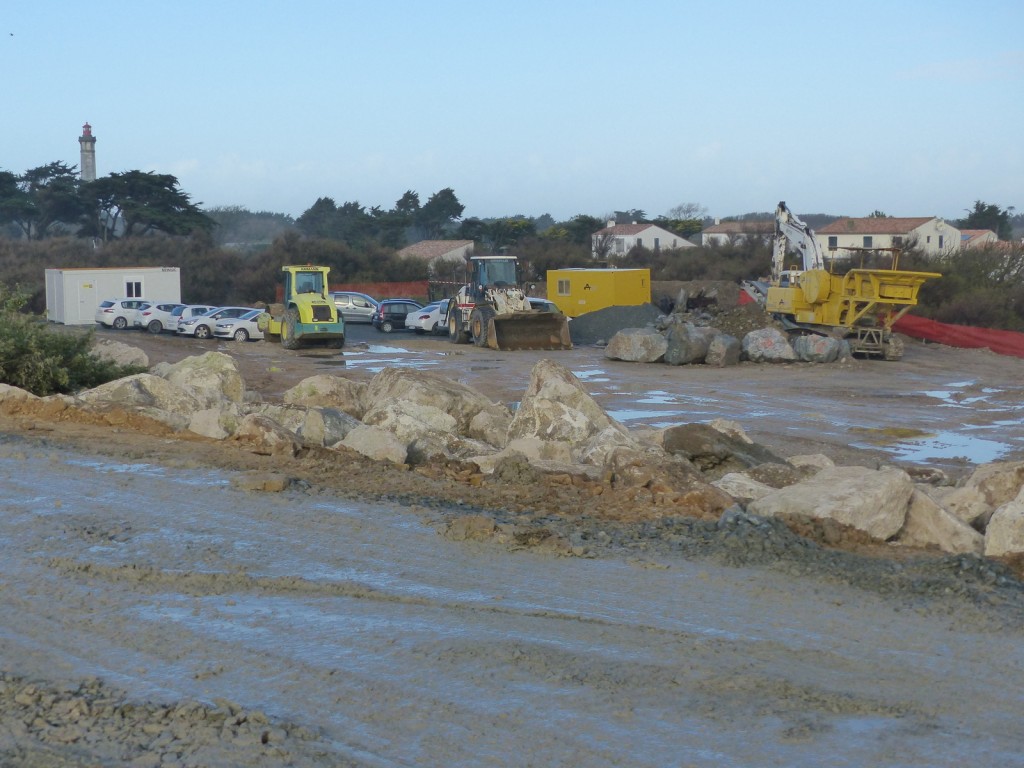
[{"x": 252, "y": 315}]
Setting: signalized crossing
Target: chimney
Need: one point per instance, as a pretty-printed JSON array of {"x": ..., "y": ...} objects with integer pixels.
[{"x": 611, "y": 222}]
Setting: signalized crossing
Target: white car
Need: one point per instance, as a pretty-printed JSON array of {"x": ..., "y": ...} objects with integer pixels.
[
  {"x": 118, "y": 313},
  {"x": 429, "y": 319},
  {"x": 157, "y": 317},
  {"x": 202, "y": 326},
  {"x": 240, "y": 328},
  {"x": 187, "y": 312}
]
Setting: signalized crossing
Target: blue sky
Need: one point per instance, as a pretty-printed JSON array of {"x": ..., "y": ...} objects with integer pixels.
[{"x": 913, "y": 108}]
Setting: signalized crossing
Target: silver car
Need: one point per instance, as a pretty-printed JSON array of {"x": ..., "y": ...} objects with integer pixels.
[{"x": 355, "y": 307}]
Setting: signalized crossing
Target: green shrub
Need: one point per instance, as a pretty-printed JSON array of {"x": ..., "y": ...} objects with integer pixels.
[{"x": 44, "y": 361}]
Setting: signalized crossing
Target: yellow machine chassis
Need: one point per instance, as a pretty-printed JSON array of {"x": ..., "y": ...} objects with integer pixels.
[{"x": 861, "y": 297}]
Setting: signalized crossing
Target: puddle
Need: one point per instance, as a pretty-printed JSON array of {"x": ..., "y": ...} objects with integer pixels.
[{"x": 950, "y": 445}]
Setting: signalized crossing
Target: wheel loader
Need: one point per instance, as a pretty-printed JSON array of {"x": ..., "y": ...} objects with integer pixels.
[{"x": 492, "y": 310}]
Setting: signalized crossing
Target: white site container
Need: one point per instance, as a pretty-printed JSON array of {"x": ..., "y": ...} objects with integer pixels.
[{"x": 72, "y": 295}]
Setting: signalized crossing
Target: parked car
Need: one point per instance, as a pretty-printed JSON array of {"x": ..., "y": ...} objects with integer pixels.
[
  {"x": 157, "y": 317},
  {"x": 240, "y": 328},
  {"x": 543, "y": 305},
  {"x": 391, "y": 314},
  {"x": 202, "y": 326},
  {"x": 430, "y": 319},
  {"x": 118, "y": 313},
  {"x": 355, "y": 307},
  {"x": 187, "y": 312}
]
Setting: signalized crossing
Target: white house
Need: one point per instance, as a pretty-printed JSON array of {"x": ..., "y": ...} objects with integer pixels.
[
  {"x": 723, "y": 233},
  {"x": 617, "y": 239},
  {"x": 931, "y": 234},
  {"x": 72, "y": 295},
  {"x": 977, "y": 238}
]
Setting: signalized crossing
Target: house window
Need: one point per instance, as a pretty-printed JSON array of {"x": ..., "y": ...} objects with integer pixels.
[
  {"x": 563, "y": 287},
  {"x": 867, "y": 241},
  {"x": 928, "y": 239},
  {"x": 620, "y": 245},
  {"x": 897, "y": 241},
  {"x": 133, "y": 289},
  {"x": 833, "y": 242},
  {"x": 657, "y": 243},
  {"x": 941, "y": 241},
  {"x": 639, "y": 242}
]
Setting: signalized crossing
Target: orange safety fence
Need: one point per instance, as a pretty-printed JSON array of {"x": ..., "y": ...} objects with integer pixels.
[{"x": 1002, "y": 342}]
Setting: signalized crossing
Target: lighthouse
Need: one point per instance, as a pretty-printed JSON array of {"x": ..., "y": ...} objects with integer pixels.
[{"x": 88, "y": 143}]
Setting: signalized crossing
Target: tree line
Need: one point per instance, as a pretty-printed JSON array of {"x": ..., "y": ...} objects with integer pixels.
[{"x": 231, "y": 255}]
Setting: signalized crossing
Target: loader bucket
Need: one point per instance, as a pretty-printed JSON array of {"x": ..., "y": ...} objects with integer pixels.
[{"x": 529, "y": 330}]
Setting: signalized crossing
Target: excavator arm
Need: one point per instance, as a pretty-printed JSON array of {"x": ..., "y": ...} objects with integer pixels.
[{"x": 789, "y": 230}]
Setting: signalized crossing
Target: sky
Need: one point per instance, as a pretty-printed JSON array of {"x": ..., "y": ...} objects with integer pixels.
[{"x": 531, "y": 108}]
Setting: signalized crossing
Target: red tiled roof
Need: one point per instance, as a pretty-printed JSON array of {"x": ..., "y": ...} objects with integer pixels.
[
  {"x": 873, "y": 226},
  {"x": 428, "y": 250}
]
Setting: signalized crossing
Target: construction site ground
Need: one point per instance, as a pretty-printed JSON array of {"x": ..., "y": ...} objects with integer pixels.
[{"x": 341, "y": 622}]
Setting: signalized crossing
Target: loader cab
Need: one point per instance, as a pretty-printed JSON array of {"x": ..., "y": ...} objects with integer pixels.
[{"x": 495, "y": 272}]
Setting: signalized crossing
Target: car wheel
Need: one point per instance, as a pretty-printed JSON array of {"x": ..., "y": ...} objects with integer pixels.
[
  {"x": 202, "y": 331},
  {"x": 386, "y": 326},
  {"x": 241, "y": 335},
  {"x": 120, "y": 323},
  {"x": 155, "y": 326},
  {"x": 434, "y": 330}
]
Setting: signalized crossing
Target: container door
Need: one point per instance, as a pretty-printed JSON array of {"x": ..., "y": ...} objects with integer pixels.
[{"x": 86, "y": 296}]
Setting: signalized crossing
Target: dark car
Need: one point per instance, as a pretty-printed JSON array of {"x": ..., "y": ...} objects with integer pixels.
[{"x": 391, "y": 313}]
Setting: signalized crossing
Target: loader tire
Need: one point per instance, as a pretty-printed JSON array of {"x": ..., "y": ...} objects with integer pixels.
[
  {"x": 289, "y": 330},
  {"x": 479, "y": 324},
  {"x": 455, "y": 333}
]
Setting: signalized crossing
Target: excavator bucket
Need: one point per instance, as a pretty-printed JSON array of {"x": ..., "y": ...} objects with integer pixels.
[{"x": 529, "y": 330}]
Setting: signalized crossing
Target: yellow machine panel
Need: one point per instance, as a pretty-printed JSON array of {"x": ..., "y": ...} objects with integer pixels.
[{"x": 578, "y": 291}]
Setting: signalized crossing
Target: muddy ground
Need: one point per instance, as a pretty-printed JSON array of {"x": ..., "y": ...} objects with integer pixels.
[{"x": 102, "y": 664}]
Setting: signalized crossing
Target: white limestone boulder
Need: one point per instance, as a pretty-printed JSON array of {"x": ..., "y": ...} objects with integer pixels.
[
  {"x": 312, "y": 424},
  {"x": 473, "y": 415},
  {"x": 375, "y": 443},
  {"x": 929, "y": 525},
  {"x": 212, "y": 377},
  {"x": 118, "y": 353},
  {"x": 327, "y": 391},
  {"x": 556, "y": 407},
  {"x": 636, "y": 345},
  {"x": 146, "y": 394},
  {"x": 742, "y": 488},
  {"x": 988, "y": 487},
  {"x": 1005, "y": 532},
  {"x": 872, "y": 501}
]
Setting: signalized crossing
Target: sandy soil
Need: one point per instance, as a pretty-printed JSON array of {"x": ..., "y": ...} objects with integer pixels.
[{"x": 371, "y": 615}]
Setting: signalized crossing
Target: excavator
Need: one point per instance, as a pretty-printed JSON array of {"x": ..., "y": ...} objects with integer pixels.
[
  {"x": 492, "y": 310},
  {"x": 859, "y": 305}
]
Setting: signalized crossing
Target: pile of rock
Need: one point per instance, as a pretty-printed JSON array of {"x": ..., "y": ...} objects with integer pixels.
[
  {"x": 676, "y": 342},
  {"x": 414, "y": 417}
]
